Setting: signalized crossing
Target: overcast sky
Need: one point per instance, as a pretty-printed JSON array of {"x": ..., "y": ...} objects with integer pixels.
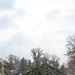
[{"x": 28, "y": 24}]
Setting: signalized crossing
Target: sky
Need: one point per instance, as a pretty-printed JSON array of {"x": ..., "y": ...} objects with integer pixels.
[{"x": 28, "y": 24}]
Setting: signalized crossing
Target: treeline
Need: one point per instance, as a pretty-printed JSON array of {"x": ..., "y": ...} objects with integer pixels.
[{"x": 24, "y": 65}]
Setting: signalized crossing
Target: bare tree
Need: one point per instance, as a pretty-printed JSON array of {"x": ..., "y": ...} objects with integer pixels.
[
  {"x": 37, "y": 54},
  {"x": 23, "y": 66},
  {"x": 45, "y": 58},
  {"x": 29, "y": 63},
  {"x": 11, "y": 62},
  {"x": 54, "y": 61},
  {"x": 71, "y": 53},
  {"x": 16, "y": 62}
]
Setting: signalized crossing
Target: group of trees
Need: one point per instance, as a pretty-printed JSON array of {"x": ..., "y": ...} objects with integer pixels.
[{"x": 23, "y": 65}]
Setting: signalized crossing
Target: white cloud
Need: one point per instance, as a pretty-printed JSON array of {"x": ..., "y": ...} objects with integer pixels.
[{"x": 43, "y": 23}]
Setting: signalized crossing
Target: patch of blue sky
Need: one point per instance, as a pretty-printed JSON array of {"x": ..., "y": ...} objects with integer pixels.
[
  {"x": 6, "y": 4},
  {"x": 19, "y": 39},
  {"x": 51, "y": 15},
  {"x": 71, "y": 18},
  {"x": 20, "y": 13},
  {"x": 6, "y": 22}
]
